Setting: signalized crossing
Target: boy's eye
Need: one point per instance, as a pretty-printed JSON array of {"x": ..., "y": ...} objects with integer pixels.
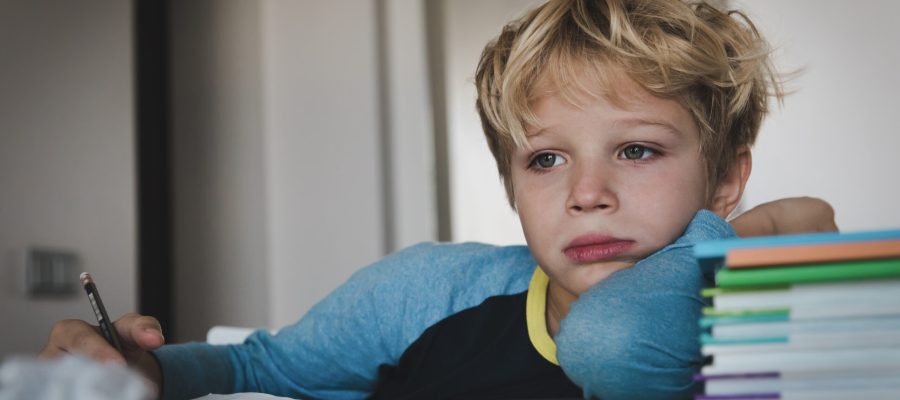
[
  {"x": 547, "y": 160},
  {"x": 637, "y": 152}
]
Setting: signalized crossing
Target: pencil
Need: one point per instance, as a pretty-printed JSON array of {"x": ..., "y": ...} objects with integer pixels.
[{"x": 106, "y": 327}]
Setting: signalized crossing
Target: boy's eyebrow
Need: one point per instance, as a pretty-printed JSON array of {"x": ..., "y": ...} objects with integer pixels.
[
  {"x": 534, "y": 133},
  {"x": 627, "y": 122},
  {"x": 638, "y": 121}
]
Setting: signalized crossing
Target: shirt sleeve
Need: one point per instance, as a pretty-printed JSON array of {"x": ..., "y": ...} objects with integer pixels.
[
  {"x": 635, "y": 335},
  {"x": 336, "y": 349}
]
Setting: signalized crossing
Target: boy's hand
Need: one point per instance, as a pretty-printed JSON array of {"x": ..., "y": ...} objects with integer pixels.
[
  {"x": 138, "y": 334},
  {"x": 785, "y": 216}
]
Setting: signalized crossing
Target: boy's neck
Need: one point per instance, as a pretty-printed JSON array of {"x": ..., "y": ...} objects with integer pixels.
[{"x": 558, "y": 302}]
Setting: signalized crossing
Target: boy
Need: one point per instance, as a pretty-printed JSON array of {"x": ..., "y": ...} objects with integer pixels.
[{"x": 612, "y": 125}]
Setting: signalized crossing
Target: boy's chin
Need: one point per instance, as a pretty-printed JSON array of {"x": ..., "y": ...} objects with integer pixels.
[{"x": 592, "y": 274}]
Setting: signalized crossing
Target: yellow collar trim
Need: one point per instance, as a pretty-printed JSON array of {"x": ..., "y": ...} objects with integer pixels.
[{"x": 536, "y": 316}]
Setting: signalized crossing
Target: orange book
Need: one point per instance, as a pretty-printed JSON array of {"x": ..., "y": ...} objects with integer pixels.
[{"x": 812, "y": 253}]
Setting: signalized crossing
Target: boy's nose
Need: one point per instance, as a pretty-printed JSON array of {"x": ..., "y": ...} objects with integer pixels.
[{"x": 591, "y": 190}]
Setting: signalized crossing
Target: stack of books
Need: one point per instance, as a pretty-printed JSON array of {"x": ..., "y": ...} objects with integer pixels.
[{"x": 813, "y": 316}]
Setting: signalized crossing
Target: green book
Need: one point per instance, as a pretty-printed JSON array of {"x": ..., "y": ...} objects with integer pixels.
[
  {"x": 707, "y": 322},
  {"x": 719, "y": 291},
  {"x": 809, "y": 273},
  {"x": 707, "y": 339},
  {"x": 713, "y": 312}
]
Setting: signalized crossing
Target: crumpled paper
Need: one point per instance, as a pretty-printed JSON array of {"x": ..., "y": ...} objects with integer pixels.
[{"x": 70, "y": 378}]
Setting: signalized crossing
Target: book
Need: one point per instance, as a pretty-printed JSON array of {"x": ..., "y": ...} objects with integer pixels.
[
  {"x": 776, "y": 382},
  {"x": 828, "y": 360},
  {"x": 758, "y": 330},
  {"x": 814, "y": 316},
  {"x": 711, "y": 253},
  {"x": 762, "y": 257},
  {"x": 777, "y": 316},
  {"x": 863, "y": 393},
  {"x": 850, "y": 270},
  {"x": 787, "y": 296},
  {"x": 801, "y": 341},
  {"x": 884, "y": 305}
]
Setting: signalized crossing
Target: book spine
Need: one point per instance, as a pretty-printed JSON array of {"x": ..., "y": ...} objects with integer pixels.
[
  {"x": 815, "y": 253},
  {"x": 810, "y": 273},
  {"x": 871, "y": 292},
  {"x": 829, "y": 360},
  {"x": 718, "y": 249}
]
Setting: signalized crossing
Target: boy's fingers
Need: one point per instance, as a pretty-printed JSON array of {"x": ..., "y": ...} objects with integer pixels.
[
  {"x": 78, "y": 337},
  {"x": 828, "y": 226},
  {"x": 140, "y": 331}
]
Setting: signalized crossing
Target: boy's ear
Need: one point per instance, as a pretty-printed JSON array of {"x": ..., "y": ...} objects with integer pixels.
[{"x": 728, "y": 193}]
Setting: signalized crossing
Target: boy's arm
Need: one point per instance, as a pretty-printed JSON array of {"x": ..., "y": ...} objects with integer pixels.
[
  {"x": 333, "y": 352},
  {"x": 635, "y": 334},
  {"x": 784, "y": 216},
  {"x": 336, "y": 349}
]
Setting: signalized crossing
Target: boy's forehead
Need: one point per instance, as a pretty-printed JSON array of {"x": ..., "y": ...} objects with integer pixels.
[
  {"x": 638, "y": 105},
  {"x": 583, "y": 85}
]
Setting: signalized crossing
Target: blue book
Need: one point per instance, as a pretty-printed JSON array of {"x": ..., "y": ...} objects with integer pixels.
[{"x": 712, "y": 253}]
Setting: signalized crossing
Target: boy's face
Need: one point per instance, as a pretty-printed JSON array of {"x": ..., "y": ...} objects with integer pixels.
[{"x": 606, "y": 185}]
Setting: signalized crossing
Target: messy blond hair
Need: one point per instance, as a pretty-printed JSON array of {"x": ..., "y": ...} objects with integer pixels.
[{"x": 714, "y": 63}]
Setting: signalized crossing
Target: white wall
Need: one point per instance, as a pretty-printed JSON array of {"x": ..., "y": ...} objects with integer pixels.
[
  {"x": 837, "y": 137},
  {"x": 277, "y": 170},
  {"x": 321, "y": 124},
  {"x": 479, "y": 209},
  {"x": 66, "y": 156},
  {"x": 410, "y": 126},
  {"x": 278, "y": 153},
  {"x": 219, "y": 248},
  {"x": 280, "y": 113}
]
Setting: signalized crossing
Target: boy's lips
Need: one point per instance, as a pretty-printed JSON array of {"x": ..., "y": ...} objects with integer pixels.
[{"x": 593, "y": 248}]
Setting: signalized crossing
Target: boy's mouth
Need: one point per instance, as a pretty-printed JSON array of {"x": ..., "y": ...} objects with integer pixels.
[{"x": 593, "y": 248}]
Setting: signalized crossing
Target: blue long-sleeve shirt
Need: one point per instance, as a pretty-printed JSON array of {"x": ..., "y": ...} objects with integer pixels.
[{"x": 633, "y": 335}]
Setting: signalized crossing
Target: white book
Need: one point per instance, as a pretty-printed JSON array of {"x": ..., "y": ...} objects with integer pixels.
[
  {"x": 867, "y": 394},
  {"x": 783, "y": 329},
  {"x": 883, "y": 307},
  {"x": 825, "y": 381},
  {"x": 862, "y": 292},
  {"x": 873, "y": 308},
  {"x": 809, "y": 361},
  {"x": 809, "y": 341}
]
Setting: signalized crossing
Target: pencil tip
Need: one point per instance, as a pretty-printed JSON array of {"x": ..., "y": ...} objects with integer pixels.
[{"x": 85, "y": 278}]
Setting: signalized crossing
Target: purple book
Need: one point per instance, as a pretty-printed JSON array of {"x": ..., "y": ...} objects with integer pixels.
[
  {"x": 751, "y": 375},
  {"x": 747, "y": 396}
]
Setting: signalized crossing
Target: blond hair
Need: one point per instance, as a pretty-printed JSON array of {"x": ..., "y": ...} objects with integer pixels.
[{"x": 714, "y": 63}]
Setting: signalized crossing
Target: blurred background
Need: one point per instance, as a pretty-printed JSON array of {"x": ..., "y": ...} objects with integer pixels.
[{"x": 230, "y": 162}]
